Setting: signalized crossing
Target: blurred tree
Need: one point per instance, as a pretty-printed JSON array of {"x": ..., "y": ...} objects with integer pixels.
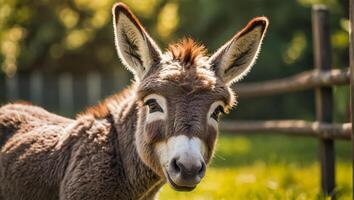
[
  {"x": 76, "y": 36},
  {"x": 57, "y": 36}
]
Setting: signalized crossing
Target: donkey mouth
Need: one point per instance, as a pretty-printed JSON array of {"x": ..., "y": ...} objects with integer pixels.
[{"x": 178, "y": 187}]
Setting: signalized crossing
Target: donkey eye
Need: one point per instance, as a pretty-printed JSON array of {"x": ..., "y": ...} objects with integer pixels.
[
  {"x": 153, "y": 106},
  {"x": 217, "y": 112}
]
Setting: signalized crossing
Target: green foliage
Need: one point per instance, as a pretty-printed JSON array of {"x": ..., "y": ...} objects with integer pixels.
[
  {"x": 268, "y": 167},
  {"x": 44, "y": 32},
  {"x": 77, "y": 37},
  {"x": 60, "y": 36}
]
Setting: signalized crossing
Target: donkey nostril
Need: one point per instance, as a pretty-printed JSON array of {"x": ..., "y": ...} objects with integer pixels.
[
  {"x": 201, "y": 171},
  {"x": 188, "y": 170},
  {"x": 175, "y": 166}
]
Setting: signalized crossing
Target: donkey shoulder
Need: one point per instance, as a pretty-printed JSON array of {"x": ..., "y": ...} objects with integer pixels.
[
  {"x": 20, "y": 116},
  {"x": 40, "y": 143},
  {"x": 15, "y": 114}
]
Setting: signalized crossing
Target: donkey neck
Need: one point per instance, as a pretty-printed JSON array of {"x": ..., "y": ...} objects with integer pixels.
[{"x": 140, "y": 179}]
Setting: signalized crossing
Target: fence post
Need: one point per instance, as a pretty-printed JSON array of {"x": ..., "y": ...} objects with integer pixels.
[
  {"x": 36, "y": 88},
  {"x": 66, "y": 98},
  {"x": 323, "y": 95},
  {"x": 93, "y": 84},
  {"x": 351, "y": 65},
  {"x": 12, "y": 88}
]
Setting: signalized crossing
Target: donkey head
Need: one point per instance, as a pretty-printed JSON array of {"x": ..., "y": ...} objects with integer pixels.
[{"x": 181, "y": 94}]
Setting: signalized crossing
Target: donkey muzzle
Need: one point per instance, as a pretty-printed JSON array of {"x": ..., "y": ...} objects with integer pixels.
[
  {"x": 184, "y": 173},
  {"x": 182, "y": 159}
]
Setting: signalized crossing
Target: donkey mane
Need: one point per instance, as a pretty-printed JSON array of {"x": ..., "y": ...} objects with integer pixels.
[
  {"x": 101, "y": 110},
  {"x": 187, "y": 51}
]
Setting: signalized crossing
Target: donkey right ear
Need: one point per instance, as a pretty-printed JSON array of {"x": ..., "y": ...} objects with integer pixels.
[
  {"x": 234, "y": 59},
  {"x": 135, "y": 47}
]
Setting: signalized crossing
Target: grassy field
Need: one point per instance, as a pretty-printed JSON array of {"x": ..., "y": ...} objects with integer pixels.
[{"x": 268, "y": 167}]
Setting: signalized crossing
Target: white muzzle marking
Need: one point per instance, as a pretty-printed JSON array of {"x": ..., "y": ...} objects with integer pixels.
[{"x": 181, "y": 146}]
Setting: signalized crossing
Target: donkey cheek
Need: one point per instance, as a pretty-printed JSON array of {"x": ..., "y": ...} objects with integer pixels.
[
  {"x": 211, "y": 141},
  {"x": 152, "y": 132}
]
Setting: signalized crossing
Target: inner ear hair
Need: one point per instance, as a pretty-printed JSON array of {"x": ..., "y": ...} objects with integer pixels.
[
  {"x": 234, "y": 59},
  {"x": 135, "y": 47}
]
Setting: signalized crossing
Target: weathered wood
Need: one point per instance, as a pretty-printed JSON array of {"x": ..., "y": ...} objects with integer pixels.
[
  {"x": 66, "y": 98},
  {"x": 51, "y": 94},
  {"x": 93, "y": 83},
  {"x": 289, "y": 127},
  {"x": 2, "y": 89},
  {"x": 36, "y": 88},
  {"x": 323, "y": 95},
  {"x": 79, "y": 93},
  {"x": 302, "y": 81},
  {"x": 108, "y": 86},
  {"x": 12, "y": 88},
  {"x": 351, "y": 65},
  {"x": 23, "y": 84}
]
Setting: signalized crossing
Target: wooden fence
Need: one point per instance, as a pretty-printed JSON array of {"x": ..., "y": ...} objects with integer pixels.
[
  {"x": 67, "y": 94},
  {"x": 321, "y": 79}
]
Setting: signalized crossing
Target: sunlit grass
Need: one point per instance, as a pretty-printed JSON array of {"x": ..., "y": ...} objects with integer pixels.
[{"x": 268, "y": 167}]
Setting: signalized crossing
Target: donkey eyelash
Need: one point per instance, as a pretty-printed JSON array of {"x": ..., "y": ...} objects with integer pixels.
[
  {"x": 153, "y": 106},
  {"x": 217, "y": 112}
]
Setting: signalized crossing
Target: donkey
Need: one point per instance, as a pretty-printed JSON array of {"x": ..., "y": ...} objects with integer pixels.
[{"x": 162, "y": 128}]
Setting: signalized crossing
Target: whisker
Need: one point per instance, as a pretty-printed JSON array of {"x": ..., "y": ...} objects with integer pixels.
[{"x": 219, "y": 156}]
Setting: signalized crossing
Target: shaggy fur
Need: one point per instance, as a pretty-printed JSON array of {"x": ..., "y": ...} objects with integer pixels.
[
  {"x": 108, "y": 151},
  {"x": 86, "y": 158},
  {"x": 187, "y": 51}
]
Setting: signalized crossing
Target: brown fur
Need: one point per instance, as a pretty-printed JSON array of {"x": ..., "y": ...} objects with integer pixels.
[
  {"x": 186, "y": 90},
  {"x": 86, "y": 158},
  {"x": 256, "y": 22},
  {"x": 187, "y": 51},
  {"x": 101, "y": 110},
  {"x": 108, "y": 151},
  {"x": 94, "y": 156}
]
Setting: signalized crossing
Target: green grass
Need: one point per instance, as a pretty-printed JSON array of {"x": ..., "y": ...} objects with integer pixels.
[{"x": 268, "y": 167}]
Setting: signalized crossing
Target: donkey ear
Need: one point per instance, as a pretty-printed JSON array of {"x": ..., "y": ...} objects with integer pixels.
[
  {"x": 235, "y": 58},
  {"x": 135, "y": 47}
]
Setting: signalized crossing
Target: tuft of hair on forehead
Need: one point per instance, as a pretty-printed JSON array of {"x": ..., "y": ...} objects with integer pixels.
[{"x": 187, "y": 51}]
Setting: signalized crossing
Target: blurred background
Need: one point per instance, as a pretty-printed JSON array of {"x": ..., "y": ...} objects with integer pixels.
[{"x": 61, "y": 55}]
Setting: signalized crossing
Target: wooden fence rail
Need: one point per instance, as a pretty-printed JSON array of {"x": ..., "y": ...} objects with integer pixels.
[
  {"x": 290, "y": 127},
  {"x": 68, "y": 92},
  {"x": 306, "y": 80},
  {"x": 321, "y": 79}
]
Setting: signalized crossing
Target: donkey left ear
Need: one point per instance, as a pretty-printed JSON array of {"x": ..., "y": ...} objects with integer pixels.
[
  {"x": 135, "y": 47},
  {"x": 235, "y": 58}
]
